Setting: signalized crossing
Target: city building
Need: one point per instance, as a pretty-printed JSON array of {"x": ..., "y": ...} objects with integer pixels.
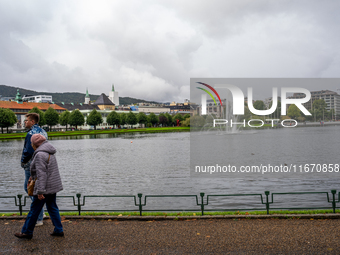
[
  {"x": 37, "y": 98},
  {"x": 331, "y": 98},
  {"x": 153, "y": 109},
  {"x": 104, "y": 103},
  {"x": 87, "y": 97},
  {"x": 21, "y": 108},
  {"x": 212, "y": 108},
  {"x": 268, "y": 101},
  {"x": 113, "y": 96},
  {"x": 6, "y": 98},
  {"x": 180, "y": 107}
]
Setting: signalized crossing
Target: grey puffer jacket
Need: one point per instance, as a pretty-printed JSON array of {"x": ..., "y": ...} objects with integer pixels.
[{"x": 46, "y": 171}]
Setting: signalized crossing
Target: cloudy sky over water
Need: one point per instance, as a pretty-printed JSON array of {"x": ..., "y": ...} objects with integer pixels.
[{"x": 151, "y": 49}]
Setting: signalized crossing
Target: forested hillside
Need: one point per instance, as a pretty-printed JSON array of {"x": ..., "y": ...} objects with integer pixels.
[{"x": 68, "y": 97}]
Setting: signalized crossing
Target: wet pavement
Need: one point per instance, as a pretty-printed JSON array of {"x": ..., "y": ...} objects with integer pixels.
[{"x": 193, "y": 236}]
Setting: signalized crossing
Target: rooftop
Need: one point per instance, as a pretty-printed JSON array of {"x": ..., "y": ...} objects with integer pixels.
[{"x": 25, "y": 105}]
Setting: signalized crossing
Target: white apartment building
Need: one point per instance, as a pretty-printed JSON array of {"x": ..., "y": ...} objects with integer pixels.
[
  {"x": 37, "y": 98},
  {"x": 331, "y": 98}
]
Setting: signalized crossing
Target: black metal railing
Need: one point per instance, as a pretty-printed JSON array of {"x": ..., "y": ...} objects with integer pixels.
[{"x": 266, "y": 200}]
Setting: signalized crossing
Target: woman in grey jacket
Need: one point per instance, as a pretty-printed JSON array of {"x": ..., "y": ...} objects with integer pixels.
[{"x": 44, "y": 169}]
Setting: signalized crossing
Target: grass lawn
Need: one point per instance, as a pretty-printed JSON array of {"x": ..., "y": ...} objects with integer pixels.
[
  {"x": 99, "y": 131},
  {"x": 136, "y": 213}
]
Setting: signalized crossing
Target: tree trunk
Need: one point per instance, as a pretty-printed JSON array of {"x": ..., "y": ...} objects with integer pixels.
[
  {"x": 2, "y": 129},
  {"x": 94, "y": 127},
  {"x": 7, "y": 130}
]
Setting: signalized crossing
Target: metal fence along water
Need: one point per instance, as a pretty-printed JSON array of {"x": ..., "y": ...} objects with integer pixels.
[{"x": 201, "y": 202}]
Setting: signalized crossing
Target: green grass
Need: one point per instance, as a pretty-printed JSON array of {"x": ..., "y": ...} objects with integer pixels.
[
  {"x": 136, "y": 213},
  {"x": 99, "y": 131}
]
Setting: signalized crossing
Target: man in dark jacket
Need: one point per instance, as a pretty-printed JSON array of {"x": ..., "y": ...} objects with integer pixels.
[{"x": 31, "y": 123}]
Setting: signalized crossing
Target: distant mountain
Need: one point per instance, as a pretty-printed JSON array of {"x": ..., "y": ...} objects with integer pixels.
[{"x": 68, "y": 97}]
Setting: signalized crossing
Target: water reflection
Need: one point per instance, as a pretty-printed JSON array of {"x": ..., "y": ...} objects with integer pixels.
[{"x": 158, "y": 163}]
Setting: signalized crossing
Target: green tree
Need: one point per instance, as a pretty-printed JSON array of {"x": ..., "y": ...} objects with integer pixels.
[
  {"x": 259, "y": 105},
  {"x": 94, "y": 119},
  {"x": 163, "y": 120},
  {"x": 277, "y": 113},
  {"x": 185, "y": 122},
  {"x": 113, "y": 119},
  {"x": 42, "y": 121},
  {"x": 123, "y": 118},
  {"x": 197, "y": 121},
  {"x": 142, "y": 118},
  {"x": 76, "y": 118},
  {"x": 169, "y": 117},
  {"x": 247, "y": 113},
  {"x": 153, "y": 119},
  {"x": 64, "y": 118},
  {"x": 319, "y": 109},
  {"x": 51, "y": 117},
  {"x": 131, "y": 119},
  {"x": 186, "y": 116},
  {"x": 7, "y": 119},
  {"x": 294, "y": 111},
  {"x": 178, "y": 118}
]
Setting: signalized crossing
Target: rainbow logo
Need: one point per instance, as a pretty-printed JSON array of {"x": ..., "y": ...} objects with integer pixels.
[{"x": 209, "y": 93}]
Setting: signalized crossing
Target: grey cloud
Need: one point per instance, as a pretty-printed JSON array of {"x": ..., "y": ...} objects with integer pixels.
[{"x": 150, "y": 49}]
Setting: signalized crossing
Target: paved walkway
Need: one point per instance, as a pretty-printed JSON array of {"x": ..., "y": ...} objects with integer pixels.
[{"x": 194, "y": 236}]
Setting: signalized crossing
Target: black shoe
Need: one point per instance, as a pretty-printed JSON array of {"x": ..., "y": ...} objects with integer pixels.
[
  {"x": 57, "y": 234},
  {"x": 24, "y": 236}
]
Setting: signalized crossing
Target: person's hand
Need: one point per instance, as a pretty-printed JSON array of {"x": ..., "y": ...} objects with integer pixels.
[
  {"x": 30, "y": 179},
  {"x": 41, "y": 197}
]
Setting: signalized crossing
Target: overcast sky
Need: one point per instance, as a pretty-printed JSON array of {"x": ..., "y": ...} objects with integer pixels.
[{"x": 150, "y": 49}]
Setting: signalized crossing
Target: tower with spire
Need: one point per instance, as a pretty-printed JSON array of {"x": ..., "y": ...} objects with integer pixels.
[
  {"x": 18, "y": 98},
  {"x": 87, "y": 97},
  {"x": 113, "y": 96}
]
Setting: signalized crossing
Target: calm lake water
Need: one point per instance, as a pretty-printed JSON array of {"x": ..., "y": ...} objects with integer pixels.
[{"x": 159, "y": 164}]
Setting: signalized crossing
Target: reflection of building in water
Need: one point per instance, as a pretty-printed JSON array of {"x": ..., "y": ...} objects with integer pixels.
[{"x": 331, "y": 98}]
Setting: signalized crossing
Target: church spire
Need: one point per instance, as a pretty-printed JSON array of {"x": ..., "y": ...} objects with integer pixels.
[
  {"x": 113, "y": 87},
  {"x": 18, "y": 98},
  {"x": 87, "y": 97}
]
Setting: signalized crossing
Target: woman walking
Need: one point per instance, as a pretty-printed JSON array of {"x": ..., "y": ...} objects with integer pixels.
[{"x": 44, "y": 169}]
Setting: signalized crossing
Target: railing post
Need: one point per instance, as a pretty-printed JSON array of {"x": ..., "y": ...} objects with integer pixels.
[
  {"x": 202, "y": 205},
  {"x": 267, "y": 202},
  {"x": 79, "y": 206},
  {"x": 140, "y": 204},
  {"x": 333, "y": 202},
  {"x": 20, "y": 205}
]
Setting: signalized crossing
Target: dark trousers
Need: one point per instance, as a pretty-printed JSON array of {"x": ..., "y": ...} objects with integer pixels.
[
  {"x": 27, "y": 176},
  {"x": 35, "y": 209}
]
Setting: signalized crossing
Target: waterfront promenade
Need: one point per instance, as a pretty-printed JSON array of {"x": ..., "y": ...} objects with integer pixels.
[{"x": 193, "y": 236}]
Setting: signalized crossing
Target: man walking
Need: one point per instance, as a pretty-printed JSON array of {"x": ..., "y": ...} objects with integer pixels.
[{"x": 31, "y": 123}]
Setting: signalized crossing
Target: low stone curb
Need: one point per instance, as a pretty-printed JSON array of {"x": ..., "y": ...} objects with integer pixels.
[{"x": 205, "y": 217}]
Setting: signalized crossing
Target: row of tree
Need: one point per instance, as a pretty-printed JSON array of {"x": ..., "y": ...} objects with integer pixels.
[
  {"x": 75, "y": 118},
  {"x": 318, "y": 111}
]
